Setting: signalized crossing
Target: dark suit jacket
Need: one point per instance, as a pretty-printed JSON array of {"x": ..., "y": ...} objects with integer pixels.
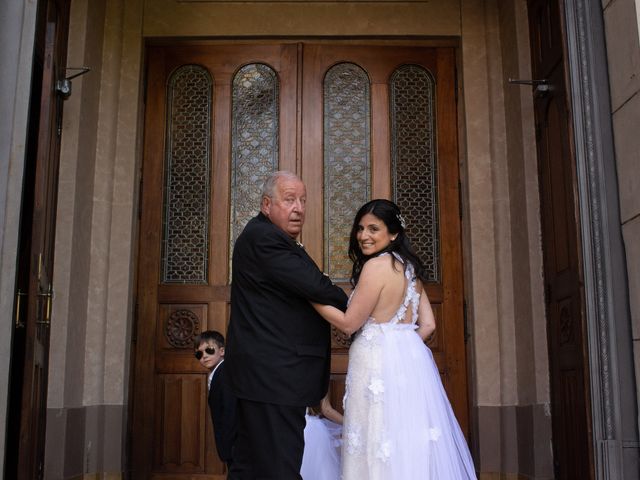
[
  {"x": 278, "y": 346},
  {"x": 222, "y": 405}
]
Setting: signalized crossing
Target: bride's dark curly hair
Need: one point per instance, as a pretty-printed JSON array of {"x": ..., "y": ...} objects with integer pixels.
[{"x": 389, "y": 213}]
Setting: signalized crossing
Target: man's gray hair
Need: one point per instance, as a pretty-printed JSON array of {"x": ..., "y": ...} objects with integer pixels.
[{"x": 269, "y": 185}]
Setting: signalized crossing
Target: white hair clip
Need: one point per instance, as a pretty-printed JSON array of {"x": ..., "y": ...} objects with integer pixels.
[{"x": 401, "y": 220}]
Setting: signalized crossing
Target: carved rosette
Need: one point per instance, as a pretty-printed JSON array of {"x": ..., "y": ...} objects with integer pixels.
[{"x": 181, "y": 328}]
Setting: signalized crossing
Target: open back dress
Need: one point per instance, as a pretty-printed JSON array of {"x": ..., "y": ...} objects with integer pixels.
[{"x": 398, "y": 422}]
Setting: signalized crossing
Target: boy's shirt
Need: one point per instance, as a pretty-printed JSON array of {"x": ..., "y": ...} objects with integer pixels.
[{"x": 211, "y": 375}]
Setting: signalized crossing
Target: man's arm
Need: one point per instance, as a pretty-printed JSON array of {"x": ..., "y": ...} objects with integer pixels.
[{"x": 295, "y": 272}]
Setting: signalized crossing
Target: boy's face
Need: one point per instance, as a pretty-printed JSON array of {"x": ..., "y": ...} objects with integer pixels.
[{"x": 212, "y": 357}]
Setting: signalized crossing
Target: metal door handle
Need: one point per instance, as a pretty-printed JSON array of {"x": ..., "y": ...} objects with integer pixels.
[{"x": 542, "y": 85}]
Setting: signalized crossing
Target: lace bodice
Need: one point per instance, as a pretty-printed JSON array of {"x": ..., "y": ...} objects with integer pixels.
[{"x": 411, "y": 298}]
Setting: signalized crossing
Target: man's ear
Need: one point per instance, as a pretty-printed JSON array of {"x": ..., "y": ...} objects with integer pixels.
[
  {"x": 222, "y": 351},
  {"x": 266, "y": 206}
]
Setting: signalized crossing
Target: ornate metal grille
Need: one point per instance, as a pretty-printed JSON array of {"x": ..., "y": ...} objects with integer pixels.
[
  {"x": 415, "y": 173},
  {"x": 185, "y": 242},
  {"x": 347, "y": 166},
  {"x": 254, "y": 141}
]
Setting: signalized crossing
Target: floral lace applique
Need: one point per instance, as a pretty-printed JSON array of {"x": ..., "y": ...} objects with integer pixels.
[
  {"x": 384, "y": 451},
  {"x": 368, "y": 334},
  {"x": 376, "y": 388},
  {"x": 434, "y": 434},
  {"x": 353, "y": 440}
]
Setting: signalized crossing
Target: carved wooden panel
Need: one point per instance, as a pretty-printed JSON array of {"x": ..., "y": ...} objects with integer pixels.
[
  {"x": 181, "y": 405},
  {"x": 179, "y": 325}
]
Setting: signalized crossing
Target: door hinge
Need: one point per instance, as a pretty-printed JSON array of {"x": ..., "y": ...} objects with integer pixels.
[
  {"x": 46, "y": 312},
  {"x": 19, "y": 295}
]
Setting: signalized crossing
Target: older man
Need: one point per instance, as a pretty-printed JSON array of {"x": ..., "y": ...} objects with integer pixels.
[{"x": 278, "y": 347}]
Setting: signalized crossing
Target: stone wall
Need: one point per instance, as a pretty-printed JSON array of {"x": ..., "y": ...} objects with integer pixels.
[{"x": 622, "y": 21}]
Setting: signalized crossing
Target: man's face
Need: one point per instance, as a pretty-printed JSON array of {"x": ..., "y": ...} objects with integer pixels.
[{"x": 286, "y": 208}]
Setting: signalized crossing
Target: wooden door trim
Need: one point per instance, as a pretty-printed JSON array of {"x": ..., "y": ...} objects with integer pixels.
[
  {"x": 51, "y": 41},
  {"x": 452, "y": 246}
]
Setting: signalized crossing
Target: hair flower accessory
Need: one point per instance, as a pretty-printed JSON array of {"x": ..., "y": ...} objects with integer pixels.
[{"x": 400, "y": 218}]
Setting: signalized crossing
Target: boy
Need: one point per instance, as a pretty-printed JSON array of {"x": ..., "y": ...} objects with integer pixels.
[{"x": 209, "y": 350}]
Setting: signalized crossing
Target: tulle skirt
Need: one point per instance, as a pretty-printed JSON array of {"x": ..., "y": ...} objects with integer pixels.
[
  {"x": 321, "y": 458},
  {"x": 398, "y": 422}
]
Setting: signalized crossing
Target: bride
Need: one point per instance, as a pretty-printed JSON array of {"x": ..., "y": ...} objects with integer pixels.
[{"x": 398, "y": 422}]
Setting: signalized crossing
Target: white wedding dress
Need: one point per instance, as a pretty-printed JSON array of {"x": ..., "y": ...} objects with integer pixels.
[
  {"x": 321, "y": 458},
  {"x": 398, "y": 422}
]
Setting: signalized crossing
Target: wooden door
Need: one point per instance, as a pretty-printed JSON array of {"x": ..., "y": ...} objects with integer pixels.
[
  {"x": 32, "y": 314},
  {"x": 566, "y": 334},
  {"x": 393, "y": 141},
  {"x": 186, "y": 197},
  {"x": 250, "y": 110}
]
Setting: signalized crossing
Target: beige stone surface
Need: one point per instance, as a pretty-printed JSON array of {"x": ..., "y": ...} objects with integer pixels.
[
  {"x": 89, "y": 360},
  {"x": 491, "y": 248},
  {"x": 486, "y": 378},
  {"x": 216, "y": 19},
  {"x": 112, "y": 224},
  {"x": 623, "y": 50},
  {"x": 636, "y": 363},
  {"x": 626, "y": 122},
  {"x": 126, "y": 170},
  {"x": 503, "y": 258},
  {"x": 637, "y": 5},
  {"x": 631, "y": 236},
  {"x": 73, "y": 237},
  {"x": 524, "y": 209}
]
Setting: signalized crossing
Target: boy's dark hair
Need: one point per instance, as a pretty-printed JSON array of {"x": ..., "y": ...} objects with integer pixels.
[{"x": 208, "y": 336}]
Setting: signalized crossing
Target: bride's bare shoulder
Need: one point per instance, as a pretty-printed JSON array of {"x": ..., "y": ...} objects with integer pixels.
[{"x": 378, "y": 265}]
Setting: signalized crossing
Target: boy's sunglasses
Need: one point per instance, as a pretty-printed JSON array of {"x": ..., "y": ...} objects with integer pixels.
[{"x": 209, "y": 350}]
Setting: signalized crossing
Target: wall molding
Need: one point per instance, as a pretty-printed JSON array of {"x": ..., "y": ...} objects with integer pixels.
[{"x": 607, "y": 313}]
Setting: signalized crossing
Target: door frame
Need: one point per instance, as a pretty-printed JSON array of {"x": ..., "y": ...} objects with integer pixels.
[
  {"x": 607, "y": 311},
  {"x": 31, "y": 313},
  {"x": 143, "y": 296}
]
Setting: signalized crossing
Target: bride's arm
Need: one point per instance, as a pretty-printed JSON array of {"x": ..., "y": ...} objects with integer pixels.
[
  {"x": 365, "y": 298},
  {"x": 426, "y": 320}
]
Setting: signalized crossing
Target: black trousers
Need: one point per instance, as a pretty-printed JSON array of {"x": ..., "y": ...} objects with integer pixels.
[{"x": 270, "y": 442}]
